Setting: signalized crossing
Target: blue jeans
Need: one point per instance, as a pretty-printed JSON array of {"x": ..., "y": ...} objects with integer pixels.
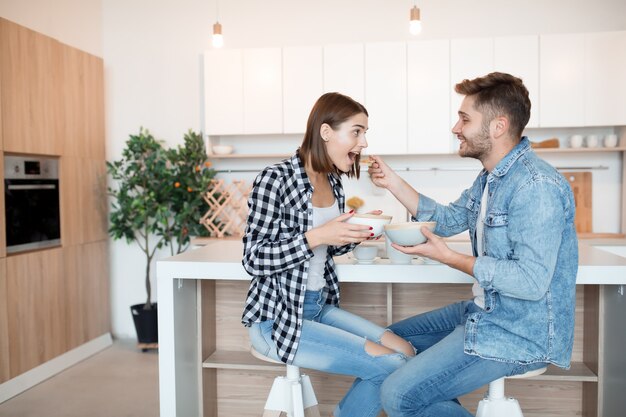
[
  {"x": 430, "y": 383},
  {"x": 333, "y": 341}
]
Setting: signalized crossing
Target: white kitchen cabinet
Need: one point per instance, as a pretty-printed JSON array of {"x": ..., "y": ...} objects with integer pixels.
[
  {"x": 344, "y": 70},
  {"x": 223, "y": 91},
  {"x": 562, "y": 75},
  {"x": 428, "y": 86},
  {"x": 302, "y": 85},
  {"x": 519, "y": 56},
  {"x": 386, "y": 97},
  {"x": 605, "y": 79},
  {"x": 263, "y": 93},
  {"x": 469, "y": 58}
]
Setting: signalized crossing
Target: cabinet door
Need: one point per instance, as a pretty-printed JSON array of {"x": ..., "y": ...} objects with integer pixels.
[
  {"x": 262, "y": 91},
  {"x": 519, "y": 56},
  {"x": 4, "y": 325},
  {"x": 469, "y": 58},
  {"x": 428, "y": 85},
  {"x": 605, "y": 81},
  {"x": 344, "y": 70},
  {"x": 561, "y": 71},
  {"x": 386, "y": 97},
  {"x": 223, "y": 92},
  {"x": 302, "y": 85}
]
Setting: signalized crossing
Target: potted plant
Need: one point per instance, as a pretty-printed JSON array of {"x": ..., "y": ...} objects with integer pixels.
[{"x": 157, "y": 203}]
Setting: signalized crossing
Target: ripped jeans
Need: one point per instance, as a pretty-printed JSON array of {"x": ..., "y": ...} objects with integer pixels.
[{"x": 333, "y": 341}]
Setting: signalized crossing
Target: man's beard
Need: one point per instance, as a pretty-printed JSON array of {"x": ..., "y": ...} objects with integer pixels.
[{"x": 478, "y": 146}]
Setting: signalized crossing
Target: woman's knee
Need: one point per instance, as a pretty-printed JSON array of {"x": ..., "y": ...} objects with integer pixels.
[{"x": 393, "y": 395}]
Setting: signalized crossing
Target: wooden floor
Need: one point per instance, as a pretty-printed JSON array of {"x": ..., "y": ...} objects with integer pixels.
[{"x": 120, "y": 381}]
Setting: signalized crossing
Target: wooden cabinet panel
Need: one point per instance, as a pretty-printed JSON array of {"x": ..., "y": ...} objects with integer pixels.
[
  {"x": 262, "y": 91},
  {"x": 4, "y": 324},
  {"x": 302, "y": 85},
  {"x": 223, "y": 91},
  {"x": 519, "y": 56},
  {"x": 32, "y": 94},
  {"x": 561, "y": 70},
  {"x": 87, "y": 306},
  {"x": 36, "y": 309},
  {"x": 83, "y": 201},
  {"x": 386, "y": 97},
  {"x": 605, "y": 83},
  {"x": 428, "y": 85},
  {"x": 3, "y": 236},
  {"x": 344, "y": 70}
]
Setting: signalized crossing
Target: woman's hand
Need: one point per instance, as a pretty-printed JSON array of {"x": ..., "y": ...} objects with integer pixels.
[{"x": 338, "y": 233}]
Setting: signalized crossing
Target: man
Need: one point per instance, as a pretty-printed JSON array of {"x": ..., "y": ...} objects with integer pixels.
[{"x": 520, "y": 216}]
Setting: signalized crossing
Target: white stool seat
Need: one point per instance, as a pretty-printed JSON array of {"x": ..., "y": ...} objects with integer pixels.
[
  {"x": 495, "y": 404},
  {"x": 291, "y": 395}
]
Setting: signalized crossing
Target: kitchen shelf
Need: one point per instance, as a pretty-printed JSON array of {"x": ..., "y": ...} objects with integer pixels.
[
  {"x": 244, "y": 361},
  {"x": 537, "y": 150}
]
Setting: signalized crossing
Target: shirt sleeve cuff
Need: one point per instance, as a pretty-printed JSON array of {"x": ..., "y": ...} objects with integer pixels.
[
  {"x": 425, "y": 209},
  {"x": 484, "y": 271}
]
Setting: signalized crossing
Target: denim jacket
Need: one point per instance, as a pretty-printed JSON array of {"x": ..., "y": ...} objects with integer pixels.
[{"x": 530, "y": 260}]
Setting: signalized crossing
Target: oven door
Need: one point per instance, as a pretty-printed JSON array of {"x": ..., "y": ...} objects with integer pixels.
[{"x": 32, "y": 214}]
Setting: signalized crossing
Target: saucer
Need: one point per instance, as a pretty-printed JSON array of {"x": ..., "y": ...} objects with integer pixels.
[{"x": 365, "y": 261}]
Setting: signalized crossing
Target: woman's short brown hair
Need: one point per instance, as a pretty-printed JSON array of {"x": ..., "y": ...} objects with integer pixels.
[{"x": 332, "y": 109}]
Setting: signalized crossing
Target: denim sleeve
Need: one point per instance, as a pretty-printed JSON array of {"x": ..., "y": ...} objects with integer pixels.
[
  {"x": 451, "y": 219},
  {"x": 536, "y": 220},
  {"x": 270, "y": 248}
]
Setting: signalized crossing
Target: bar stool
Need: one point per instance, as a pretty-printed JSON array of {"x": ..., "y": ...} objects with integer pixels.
[
  {"x": 291, "y": 395},
  {"x": 495, "y": 404}
]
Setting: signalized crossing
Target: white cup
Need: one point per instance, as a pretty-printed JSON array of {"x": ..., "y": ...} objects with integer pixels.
[
  {"x": 394, "y": 255},
  {"x": 593, "y": 141},
  {"x": 610, "y": 141},
  {"x": 365, "y": 254},
  {"x": 576, "y": 141}
]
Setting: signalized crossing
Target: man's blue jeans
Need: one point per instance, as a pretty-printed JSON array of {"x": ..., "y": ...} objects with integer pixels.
[
  {"x": 333, "y": 340},
  {"x": 430, "y": 383}
]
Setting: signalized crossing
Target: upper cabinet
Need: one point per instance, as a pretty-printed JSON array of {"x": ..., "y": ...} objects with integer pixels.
[
  {"x": 262, "y": 91},
  {"x": 344, "y": 70},
  {"x": 519, "y": 56},
  {"x": 408, "y": 88},
  {"x": 386, "y": 97},
  {"x": 223, "y": 91},
  {"x": 302, "y": 85},
  {"x": 561, "y": 95},
  {"x": 605, "y": 79},
  {"x": 428, "y": 86}
]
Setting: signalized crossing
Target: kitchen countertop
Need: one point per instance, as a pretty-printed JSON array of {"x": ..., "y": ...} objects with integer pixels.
[{"x": 220, "y": 259}]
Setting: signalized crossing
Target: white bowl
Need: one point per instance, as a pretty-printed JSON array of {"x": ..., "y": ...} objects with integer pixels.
[
  {"x": 222, "y": 149},
  {"x": 365, "y": 253},
  {"x": 375, "y": 221},
  {"x": 408, "y": 234}
]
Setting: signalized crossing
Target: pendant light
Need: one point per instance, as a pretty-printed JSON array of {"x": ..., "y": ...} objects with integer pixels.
[
  {"x": 218, "y": 39},
  {"x": 415, "y": 24}
]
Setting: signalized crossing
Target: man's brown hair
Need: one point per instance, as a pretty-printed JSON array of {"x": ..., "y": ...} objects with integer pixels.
[
  {"x": 499, "y": 94},
  {"x": 332, "y": 109}
]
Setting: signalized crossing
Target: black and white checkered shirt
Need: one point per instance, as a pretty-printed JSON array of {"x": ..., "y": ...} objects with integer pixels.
[{"x": 276, "y": 253}]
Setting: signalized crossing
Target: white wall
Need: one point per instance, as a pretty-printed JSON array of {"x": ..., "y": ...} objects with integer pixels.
[{"x": 152, "y": 51}]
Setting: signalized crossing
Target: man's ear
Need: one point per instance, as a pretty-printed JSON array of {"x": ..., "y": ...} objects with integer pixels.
[
  {"x": 325, "y": 131},
  {"x": 499, "y": 126}
]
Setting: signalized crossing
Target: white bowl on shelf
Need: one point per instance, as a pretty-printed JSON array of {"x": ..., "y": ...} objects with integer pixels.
[{"x": 222, "y": 149}]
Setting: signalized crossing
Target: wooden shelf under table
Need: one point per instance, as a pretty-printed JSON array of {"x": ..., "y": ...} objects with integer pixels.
[{"x": 243, "y": 360}]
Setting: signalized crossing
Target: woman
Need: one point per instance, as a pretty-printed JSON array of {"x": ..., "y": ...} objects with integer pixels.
[{"x": 295, "y": 227}]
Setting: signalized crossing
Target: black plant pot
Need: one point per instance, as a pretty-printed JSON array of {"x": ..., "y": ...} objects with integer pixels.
[{"x": 146, "y": 323}]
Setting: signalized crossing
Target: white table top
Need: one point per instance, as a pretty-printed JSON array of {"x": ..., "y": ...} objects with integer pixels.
[{"x": 220, "y": 259}]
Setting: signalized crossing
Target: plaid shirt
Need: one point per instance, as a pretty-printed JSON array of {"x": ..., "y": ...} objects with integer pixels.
[{"x": 276, "y": 253}]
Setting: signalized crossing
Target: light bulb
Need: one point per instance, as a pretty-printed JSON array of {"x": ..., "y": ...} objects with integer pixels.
[
  {"x": 415, "y": 24},
  {"x": 218, "y": 39}
]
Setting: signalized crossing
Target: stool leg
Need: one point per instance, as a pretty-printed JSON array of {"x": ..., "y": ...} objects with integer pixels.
[{"x": 496, "y": 389}]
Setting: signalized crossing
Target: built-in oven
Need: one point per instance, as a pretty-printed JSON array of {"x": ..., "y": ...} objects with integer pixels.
[{"x": 31, "y": 200}]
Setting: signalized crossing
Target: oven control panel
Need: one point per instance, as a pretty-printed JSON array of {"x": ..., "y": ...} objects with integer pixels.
[{"x": 27, "y": 167}]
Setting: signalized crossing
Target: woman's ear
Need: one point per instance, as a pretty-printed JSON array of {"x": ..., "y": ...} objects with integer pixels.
[{"x": 325, "y": 132}]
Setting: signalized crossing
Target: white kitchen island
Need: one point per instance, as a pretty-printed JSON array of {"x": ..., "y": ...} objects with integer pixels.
[{"x": 201, "y": 294}]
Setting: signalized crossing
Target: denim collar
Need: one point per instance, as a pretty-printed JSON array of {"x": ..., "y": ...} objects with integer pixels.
[{"x": 505, "y": 164}]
